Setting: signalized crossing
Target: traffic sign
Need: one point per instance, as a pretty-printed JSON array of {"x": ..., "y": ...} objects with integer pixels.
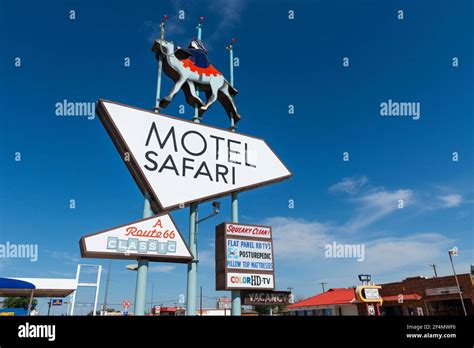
[
  {"x": 179, "y": 162},
  {"x": 126, "y": 304},
  {"x": 156, "y": 239}
]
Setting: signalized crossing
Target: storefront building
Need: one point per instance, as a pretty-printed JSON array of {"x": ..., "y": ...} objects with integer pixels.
[{"x": 417, "y": 296}]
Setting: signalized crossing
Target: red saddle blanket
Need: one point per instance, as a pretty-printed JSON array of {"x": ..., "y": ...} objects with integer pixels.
[{"x": 210, "y": 70}]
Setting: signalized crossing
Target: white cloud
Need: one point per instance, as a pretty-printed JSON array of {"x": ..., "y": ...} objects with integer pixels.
[
  {"x": 63, "y": 255},
  {"x": 3, "y": 264},
  {"x": 388, "y": 256},
  {"x": 228, "y": 13},
  {"x": 206, "y": 257},
  {"x": 391, "y": 254},
  {"x": 161, "y": 268},
  {"x": 173, "y": 27},
  {"x": 63, "y": 274},
  {"x": 373, "y": 206},
  {"x": 451, "y": 201},
  {"x": 349, "y": 185},
  {"x": 297, "y": 239},
  {"x": 372, "y": 203},
  {"x": 301, "y": 242}
]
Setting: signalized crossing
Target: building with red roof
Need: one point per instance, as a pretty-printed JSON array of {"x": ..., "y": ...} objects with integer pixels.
[
  {"x": 338, "y": 301},
  {"x": 413, "y": 296}
]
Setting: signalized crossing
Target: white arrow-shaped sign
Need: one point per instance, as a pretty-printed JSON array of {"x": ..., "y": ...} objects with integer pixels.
[
  {"x": 156, "y": 239},
  {"x": 179, "y": 162}
]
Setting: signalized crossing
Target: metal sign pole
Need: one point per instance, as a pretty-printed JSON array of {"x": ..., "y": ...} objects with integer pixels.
[
  {"x": 99, "y": 273},
  {"x": 160, "y": 66},
  {"x": 73, "y": 301},
  {"x": 193, "y": 229},
  {"x": 235, "y": 294},
  {"x": 142, "y": 271}
]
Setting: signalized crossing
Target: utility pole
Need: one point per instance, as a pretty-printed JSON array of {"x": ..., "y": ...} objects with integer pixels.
[
  {"x": 322, "y": 285},
  {"x": 434, "y": 270},
  {"x": 151, "y": 299},
  {"x": 49, "y": 306},
  {"x": 454, "y": 252},
  {"x": 193, "y": 227},
  {"x": 200, "y": 302}
]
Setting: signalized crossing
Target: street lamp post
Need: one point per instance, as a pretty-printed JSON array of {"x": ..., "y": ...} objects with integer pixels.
[{"x": 454, "y": 252}]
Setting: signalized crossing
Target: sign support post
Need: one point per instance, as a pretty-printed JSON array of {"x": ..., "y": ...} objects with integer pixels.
[
  {"x": 142, "y": 271},
  {"x": 235, "y": 294},
  {"x": 193, "y": 229},
  {"x": 160, "y": 67}
]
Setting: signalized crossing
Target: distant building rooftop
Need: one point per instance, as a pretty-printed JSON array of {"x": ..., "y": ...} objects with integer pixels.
[{"x": 337, "y": 296}]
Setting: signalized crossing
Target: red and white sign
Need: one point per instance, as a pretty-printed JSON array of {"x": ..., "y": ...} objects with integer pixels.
[
  {"x": 248, "y": 230},
  {"x": 244, "y": 257},
  {"x": 126, "y": 304},
  {"x": 156, "y": 239}
]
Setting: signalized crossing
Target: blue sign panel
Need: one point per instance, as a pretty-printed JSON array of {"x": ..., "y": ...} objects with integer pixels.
[
  {"x": 57, "y": 302},
  {"x": 10, "y": 312}
]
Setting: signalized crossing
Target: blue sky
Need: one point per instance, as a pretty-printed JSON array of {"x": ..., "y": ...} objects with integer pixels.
[{"x": 282, "y": 62}]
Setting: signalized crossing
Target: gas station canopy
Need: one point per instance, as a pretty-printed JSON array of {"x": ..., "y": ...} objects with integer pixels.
[{"x": 40, "y": 287}]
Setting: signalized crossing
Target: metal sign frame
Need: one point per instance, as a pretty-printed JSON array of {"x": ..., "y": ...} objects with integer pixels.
[{"x": 95, "y": 285}]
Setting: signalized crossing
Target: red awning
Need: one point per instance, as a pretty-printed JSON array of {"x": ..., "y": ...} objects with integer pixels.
[
  {"x": 330, "y": 297},
  {"x": 406, "y": 297}
]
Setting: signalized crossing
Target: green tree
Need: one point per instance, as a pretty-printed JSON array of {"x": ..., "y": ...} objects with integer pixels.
[
  {"x": 19, "y": 302},
  {"x": 262, "y": 310},
  {"x": 265, "y": 309}
]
